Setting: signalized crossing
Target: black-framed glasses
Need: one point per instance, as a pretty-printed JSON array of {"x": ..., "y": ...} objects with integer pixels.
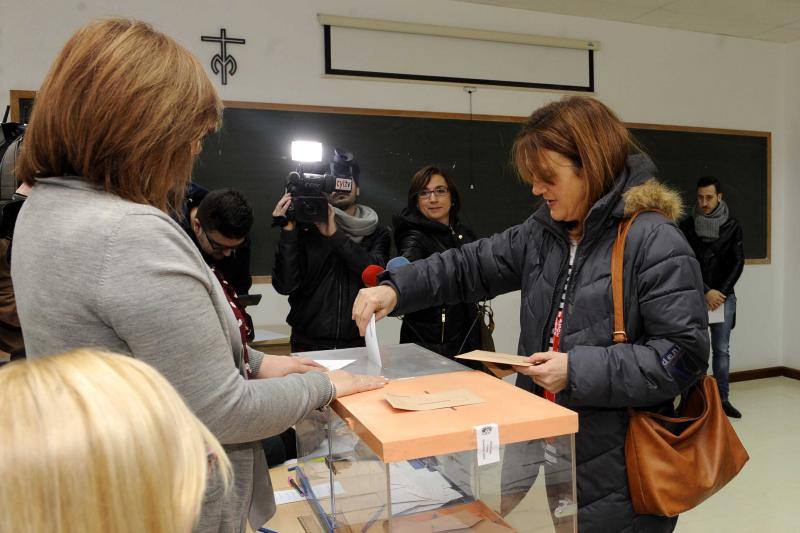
[
  {"x": 219, "y": 247},
  {"x": 440, "y": 192}
]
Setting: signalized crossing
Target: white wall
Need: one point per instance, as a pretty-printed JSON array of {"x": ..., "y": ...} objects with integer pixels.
[
  {"x": 646, "y": 74},
  {"x": 789, "y": 312}
]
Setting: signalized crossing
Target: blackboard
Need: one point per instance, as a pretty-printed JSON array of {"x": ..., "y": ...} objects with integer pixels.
[
  {"x": 739, "y": 159},
  {"x": 251, "y": 153}
]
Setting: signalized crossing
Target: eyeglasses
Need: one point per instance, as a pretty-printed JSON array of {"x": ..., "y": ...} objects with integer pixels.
[
  {"x": 440, "y": 192},
  {"x": 219, "y": 247}
]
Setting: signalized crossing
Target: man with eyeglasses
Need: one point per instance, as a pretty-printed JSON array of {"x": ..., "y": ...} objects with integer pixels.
[{"x": 218, "y": 222}]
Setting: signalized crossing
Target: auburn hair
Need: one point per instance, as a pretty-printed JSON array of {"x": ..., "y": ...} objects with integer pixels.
[
  {"x": 581, "y": 129},
  {"x": 124, "y": 107}
]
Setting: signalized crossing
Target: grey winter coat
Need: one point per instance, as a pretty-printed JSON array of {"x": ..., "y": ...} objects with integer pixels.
[{"x": 665, "y": 313}]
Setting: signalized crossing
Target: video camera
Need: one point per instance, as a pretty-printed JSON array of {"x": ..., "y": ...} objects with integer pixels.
[{"x": 308, "y": 189}]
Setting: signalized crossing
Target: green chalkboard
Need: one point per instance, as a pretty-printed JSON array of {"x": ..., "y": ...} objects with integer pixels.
[
  {"x": 740, "y": 160},
  {"x": 251, "y": 153}
]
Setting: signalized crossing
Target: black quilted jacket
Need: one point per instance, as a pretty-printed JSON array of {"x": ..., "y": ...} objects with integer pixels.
[{"x": 666, "y": 320}]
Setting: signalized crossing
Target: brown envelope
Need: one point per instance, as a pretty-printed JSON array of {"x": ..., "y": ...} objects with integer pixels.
[
  {"x": 437, "y": 400},
  {"x": 492, "y": 357}
]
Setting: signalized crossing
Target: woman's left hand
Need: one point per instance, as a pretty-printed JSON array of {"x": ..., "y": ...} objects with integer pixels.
[
  {"x": 278, "y": 366},
  {"x": 549, "y": 370}
]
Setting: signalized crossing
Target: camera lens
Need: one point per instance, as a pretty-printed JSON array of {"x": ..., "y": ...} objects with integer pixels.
[{"x": 309, "y": 208}]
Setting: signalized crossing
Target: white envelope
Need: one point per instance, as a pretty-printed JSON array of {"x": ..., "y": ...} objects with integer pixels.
[
  {"x": 716, "y": 316},
  {"x": 371, "y": 339}
]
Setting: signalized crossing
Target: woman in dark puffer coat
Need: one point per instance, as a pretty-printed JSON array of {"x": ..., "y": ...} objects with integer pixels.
[
  {"x": 579, "y": 157},
  {"x": 428, "y": 225}
]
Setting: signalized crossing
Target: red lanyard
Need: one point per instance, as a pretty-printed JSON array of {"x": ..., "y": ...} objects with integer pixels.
[{"x": 556, "y": 342}]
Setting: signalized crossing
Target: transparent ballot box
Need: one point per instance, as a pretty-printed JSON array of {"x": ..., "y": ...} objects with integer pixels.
[{"x": 503, "y": 462}]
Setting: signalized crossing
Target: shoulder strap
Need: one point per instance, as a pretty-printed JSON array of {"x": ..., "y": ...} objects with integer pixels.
[{"x": 617, "y": 268}]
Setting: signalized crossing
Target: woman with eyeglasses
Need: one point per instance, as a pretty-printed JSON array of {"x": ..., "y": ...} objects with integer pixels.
[{"x": 429, "y": 224}]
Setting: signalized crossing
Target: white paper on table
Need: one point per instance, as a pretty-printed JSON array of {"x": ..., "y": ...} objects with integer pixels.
[
  {"x": 335, "y": 364},
  {"x": 717, "y": 315},
  {"x": 323, "y": 490},
  {"x": 262, "y": 335},
  {"x": 371, "y": 339},
  {"x": 287, "y": 496}
]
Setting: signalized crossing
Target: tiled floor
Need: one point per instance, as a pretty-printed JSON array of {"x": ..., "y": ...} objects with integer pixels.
[{"x": 765, "y": 496}]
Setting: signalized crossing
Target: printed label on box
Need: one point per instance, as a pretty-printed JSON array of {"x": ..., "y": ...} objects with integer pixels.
[{"x": 488, "y": 448}]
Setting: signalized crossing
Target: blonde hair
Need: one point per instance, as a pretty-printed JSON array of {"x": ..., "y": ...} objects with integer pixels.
[
  {"x": 94, "y": 442},
  {"x": 123, "y": 106}
]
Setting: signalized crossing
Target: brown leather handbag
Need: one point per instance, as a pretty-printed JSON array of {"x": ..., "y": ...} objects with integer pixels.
[{"x": 675, "y": 463}]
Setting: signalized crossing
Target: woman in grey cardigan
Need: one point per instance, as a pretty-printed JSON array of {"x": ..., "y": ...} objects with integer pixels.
[{"x": 99, "y": 262}]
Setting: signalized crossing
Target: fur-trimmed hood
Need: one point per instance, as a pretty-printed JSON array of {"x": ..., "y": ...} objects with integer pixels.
[
  {"x": 654, "y": 195},
  {"x": 636, "y": 188}
]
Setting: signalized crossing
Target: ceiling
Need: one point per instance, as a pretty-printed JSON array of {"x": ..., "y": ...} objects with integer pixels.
[{"x": 766, "y": 20}]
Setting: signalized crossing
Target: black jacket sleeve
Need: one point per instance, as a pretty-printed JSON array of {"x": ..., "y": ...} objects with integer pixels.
[
  {"x": 288, "y": 269},
  {"x": 357, "y": 257},
  {"x": 735, "y": 260},
  {"x": 477, "y": 271},
  {"x": 673, "y": 352},
  {"x": 411, "y": 245},
  {"x": 236, "y": 270}
]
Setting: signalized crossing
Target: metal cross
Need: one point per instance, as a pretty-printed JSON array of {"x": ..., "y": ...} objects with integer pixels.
[{"x": 222, "y": 62}]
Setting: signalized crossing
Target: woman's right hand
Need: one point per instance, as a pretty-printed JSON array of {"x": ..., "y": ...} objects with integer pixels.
[
  {"x": 380, "y": 300},
  {"x": 347, "y": 383},
  {"x": 280, "y": 210}
]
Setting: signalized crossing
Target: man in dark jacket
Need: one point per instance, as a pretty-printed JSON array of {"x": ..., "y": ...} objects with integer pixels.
[
  {"x": 319, "y": 266},
  {"x": 716, "y": 239}
]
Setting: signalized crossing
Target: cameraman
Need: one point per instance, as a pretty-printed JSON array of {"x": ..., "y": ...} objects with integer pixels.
[{"x": 319, "y": 265}]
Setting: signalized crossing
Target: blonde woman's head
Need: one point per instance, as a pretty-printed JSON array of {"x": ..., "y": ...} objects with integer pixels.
[
  {"x": 95, "y": 442},
  {"x": 124, "y": 107}
]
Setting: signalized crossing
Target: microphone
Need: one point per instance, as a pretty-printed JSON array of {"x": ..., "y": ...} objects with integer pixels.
[
  {"x": 370, "y": 275},
  {"x": 397, "y": 262}
]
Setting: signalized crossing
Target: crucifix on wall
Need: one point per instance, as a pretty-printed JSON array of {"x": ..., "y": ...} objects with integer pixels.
[{"x": 223, "y": 63}]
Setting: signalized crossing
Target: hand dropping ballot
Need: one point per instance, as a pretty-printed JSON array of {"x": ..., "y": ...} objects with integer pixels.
[{"x": 371, "y": 339}]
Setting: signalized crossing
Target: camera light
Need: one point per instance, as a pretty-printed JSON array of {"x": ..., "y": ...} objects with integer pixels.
[{"x": 306, "y": 151}]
